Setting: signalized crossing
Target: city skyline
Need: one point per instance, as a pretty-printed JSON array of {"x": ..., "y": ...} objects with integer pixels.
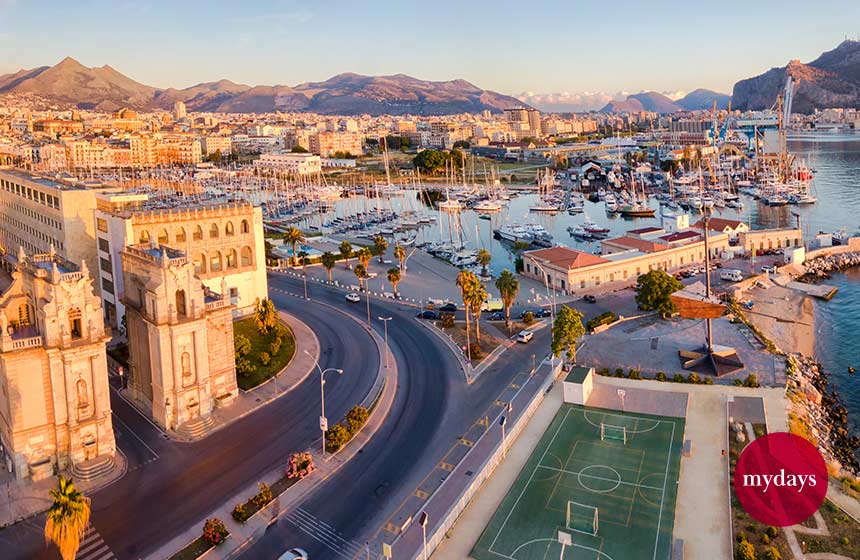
[{"x": 256, "y": 46}]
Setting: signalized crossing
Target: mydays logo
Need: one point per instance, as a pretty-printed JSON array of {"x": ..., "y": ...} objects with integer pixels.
[{"x": 780, "y": 480}]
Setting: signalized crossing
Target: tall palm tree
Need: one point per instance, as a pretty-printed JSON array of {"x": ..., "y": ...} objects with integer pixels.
[
  {"x": 394, "y": 278},
  {"x": 346, "y": 251},
  {"x": 68, "y": 518},
  {"x": 328, "y": 261},
  {"x": 466, "y": 282},
  {"x": 508, "y": 287},
  {"x": 477, "y": 296},
  {"x": 294, "y": 236},
  {"x": 380, "y": 245},
  {"x": 364, "y": 256},
  {"x": 484, "y": 258},
  {"x": 400, "y": 255},
  {"x": 361, "y": 273},
  {"x": 264, "y": 315}
]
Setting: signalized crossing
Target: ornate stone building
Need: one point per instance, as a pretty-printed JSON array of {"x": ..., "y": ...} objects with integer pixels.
[
  {"x": 180, "y": 339},
  {"x": 54, "y": 396}
]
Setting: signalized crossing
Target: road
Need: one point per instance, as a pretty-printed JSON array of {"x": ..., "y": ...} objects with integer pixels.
[
  {"x": 170, "y": 486},
  {"x": 433, "y": 408}
]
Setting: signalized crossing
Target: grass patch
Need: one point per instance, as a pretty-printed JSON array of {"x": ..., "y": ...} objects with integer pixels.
[
  {"x": 844, "y": 536},
  {"x": 458, "y": 333},
  {"x": 261, "y": 343},
  {"x": 193, "y": 550}
]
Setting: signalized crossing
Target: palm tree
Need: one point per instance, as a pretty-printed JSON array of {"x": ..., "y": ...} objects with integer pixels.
[
  {"x": 328, "y": 261},
  {"x": 477, "y": 296},
  {"x": 508, "y": 287},
  {"x": 346, "y": 251},
  {"x": 361, "y": 273},
  {"x": 294, "y": 236},
  {"x": 68, "y": 518},
  {"x": 363, "y": 256},
  {"x": 484, "y": 258},
  {"x": 264, "y": 315},
  {"x": 394, "y": 278},
  {"x": 380, "y": 245},
  {"x": 400, "y": 255},
  {"x": 466, "y": 282}
]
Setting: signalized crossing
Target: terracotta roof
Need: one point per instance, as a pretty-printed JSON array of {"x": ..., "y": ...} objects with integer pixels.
[
  {"x": 564, "y": 257},
  {"x": 643, "y": 245},
  {"x": 680, "y": 236},
  {"x": 719, "y": 224},
  {"x": 640, "y": 231}
]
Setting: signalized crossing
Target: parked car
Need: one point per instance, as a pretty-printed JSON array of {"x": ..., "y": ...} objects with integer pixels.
[
  {"x": 353, "y": 298},
  {"x": 449, "y": 307},
  {"x": 589, "y": 299},
  {"x": 543, "y": 312},
  {"x": 767, "y": 268},
  {"x": 427, "y": 314},
  {"x": 294, "y": 554},
  {"x": 372, "y": 275},
  {"x": 525, "y": 336},
  {"x": 497, "y": 316}
]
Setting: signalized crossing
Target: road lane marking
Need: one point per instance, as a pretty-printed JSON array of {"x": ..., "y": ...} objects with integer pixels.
[{"x": 137, "y": 437}]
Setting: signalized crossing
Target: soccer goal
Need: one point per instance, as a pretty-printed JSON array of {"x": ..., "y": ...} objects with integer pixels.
[
  {"x": 582, "y": 518},
  {"x": 608, "y": 432}
]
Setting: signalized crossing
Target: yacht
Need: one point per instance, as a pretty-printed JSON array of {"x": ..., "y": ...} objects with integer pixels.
[
  {"x": 487, "y": 206},
  {"x": 804, "y": 198},
  {"x": 450, "y": 205},
  {"x": 513, "y": 233},
  {"x": 540, "y": 236}
]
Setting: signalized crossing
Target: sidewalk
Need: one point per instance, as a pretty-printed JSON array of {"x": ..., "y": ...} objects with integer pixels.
[{"x": 244, "y": 535}]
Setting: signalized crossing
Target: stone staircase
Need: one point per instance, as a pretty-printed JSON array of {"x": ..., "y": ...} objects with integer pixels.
[
  {"x": 93, "y": 468},
  {"x": 197, "y": 428}
]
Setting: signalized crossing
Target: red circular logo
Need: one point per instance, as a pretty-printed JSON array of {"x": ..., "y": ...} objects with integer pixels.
[{"x": 780, "y": 479}]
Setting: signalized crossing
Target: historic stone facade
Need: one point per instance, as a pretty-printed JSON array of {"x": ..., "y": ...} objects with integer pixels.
[
  {"x": 180, "y": 337},
  {"x": 54, "y": 396}
]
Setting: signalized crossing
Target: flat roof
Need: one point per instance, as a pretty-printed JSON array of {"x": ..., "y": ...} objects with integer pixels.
[
  {"x": 577, "y": 374},
  {"x": 59, "y": 184}
]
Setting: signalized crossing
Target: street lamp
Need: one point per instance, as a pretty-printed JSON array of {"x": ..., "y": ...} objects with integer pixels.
[
  {"x": 502, "y": 421},
  {"x": 323, "y": 419},
  {"x": 385, "y": 323},
  {"x": 422, "y": 520}
]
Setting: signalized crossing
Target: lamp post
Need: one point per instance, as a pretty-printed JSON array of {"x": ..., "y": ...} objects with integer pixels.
[
  {"x": 422, "y": 520},
  {"x": 323, "y": 419},
  {"x": 502, "y": 421},
  {"x": 385, "y": 323}
]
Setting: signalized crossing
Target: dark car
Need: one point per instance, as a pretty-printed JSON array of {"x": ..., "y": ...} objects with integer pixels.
[
  {"x": 449, "y": 307},
  {"x": 427, "y": 315},
  {"x": 589, "y": 299},
  {"x": 543, "y": 312},
  {"x": 497, "y": 316}
]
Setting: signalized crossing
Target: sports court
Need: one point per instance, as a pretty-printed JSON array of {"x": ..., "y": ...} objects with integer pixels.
[{"x": 605, "y": 477}]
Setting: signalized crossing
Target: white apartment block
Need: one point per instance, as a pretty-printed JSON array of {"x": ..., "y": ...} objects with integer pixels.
[
  {"x": 301, "y": 164},
  {"x": 220, "y": 144}
]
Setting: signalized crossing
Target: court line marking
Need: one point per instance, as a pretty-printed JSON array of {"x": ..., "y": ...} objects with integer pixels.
[
  {"x": 600, "y": 553},
  {"x": 656, "y": 422},
  {"x": 663, "y": 493},
  {"x": 578, "y": 474}
]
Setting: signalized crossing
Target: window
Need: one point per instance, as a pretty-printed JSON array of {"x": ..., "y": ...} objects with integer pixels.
[
  {"x": 246, "y": 256},
  {"x": 102, "y": 225},
  {"x": 24, "y": 314},
  {"x": 215, "y": 262},
  {"x": 107, "y": 286},
  {"x": 198, "y": 233},
  {"x": 180, "y": 235},
  {"x": 104, "y": 245},
  {"x": 163, "y": 239},
  {"x": 245, "y": 227},
  {"x": 231, "y": 258},
  {"x": 180, "y": 303},
  {"x": 234, "y": 293},
  {"x": 228, "y": 228},
  {"x": 213, "y": 231},
  {"x": 200, "y": 264},
  {"x": 75, "y": 323},
  {"x": 104, "y": 264},
  {"x": 144, "y": 236}
]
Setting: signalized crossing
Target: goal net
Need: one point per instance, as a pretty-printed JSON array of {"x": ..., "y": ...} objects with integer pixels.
[
  {"x": 582, "y": 518},
  {"x": 608, "y": 432}
]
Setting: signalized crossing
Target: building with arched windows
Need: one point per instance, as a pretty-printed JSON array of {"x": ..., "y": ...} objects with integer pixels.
[
  {"x": 224, "y": 242},
  {"x": 180, "y": 333},
  {"x": 55, "y": 409}
]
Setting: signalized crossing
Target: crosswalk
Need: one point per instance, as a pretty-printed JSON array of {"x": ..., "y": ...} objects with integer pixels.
[
  {"x": 93, "y": 547},
  {"x": 325, "y": 533}
]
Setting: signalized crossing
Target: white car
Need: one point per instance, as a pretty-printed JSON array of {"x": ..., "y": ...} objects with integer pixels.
[
  {"x": 353, "y": 298},
  {"x": 294, "y": 554},
  {"x": 372, "y": 274},
  {"x": 525, "y": 336}
]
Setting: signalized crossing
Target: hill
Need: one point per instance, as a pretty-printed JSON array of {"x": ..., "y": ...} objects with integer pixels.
[
  {"x": 703, "y": 99},
  {"x": 645, "y": 101}
]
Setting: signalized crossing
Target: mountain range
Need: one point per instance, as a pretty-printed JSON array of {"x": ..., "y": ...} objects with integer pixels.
[
  {"x": 697, "y": 100},
  {"x": 831, "y": 80},
  {"x": 106, "y": 89}
]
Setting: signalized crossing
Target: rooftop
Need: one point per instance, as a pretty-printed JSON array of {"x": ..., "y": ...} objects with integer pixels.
[
  {"x": 642, "y": 231},
  {"x": 719, "y": 224},
  {"x": 565, "y": 257},
  {"x": 577, "y": 374},
  {"x": 59, "y": 182},
  {"x": 643, "y": 245},
  {"x": 680, "y": 236}
]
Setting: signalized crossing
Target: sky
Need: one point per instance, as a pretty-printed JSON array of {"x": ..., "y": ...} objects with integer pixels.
[{"x": 556, "y": 51}]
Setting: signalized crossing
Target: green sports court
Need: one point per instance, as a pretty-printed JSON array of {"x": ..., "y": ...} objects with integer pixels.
[{"x": 606, "y": 478}]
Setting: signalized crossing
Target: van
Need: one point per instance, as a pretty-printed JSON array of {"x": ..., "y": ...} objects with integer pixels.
[
  {"x": 732, "y": 275},
  {"x": 493, "y": 305}
]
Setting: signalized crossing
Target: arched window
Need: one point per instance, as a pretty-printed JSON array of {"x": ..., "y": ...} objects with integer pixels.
[
  {"x": 200, "y": 264},
  {"x": 75, "y": 323},
  {"x": 82, "y": 394},
  {"x": 163, "y": 239},
  {"x": 24, "y": 314},
  {"x": 198, "y": 233},
  {"x": 246, "y": 256},
  {"x": 180, "y": 303},
  {"x": 213, "y": 231},
  {"x": 215, "y": 262},
  {"x": 245, "y": 227},
  {"x": 144, "y": 236},
  {"x": 231, "y": 258},
  {"x": 228, "y": 228},
  {"x": 180, "y": 236}
]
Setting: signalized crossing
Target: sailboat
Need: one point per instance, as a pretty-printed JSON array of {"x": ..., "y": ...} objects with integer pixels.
[{"x": 635, "y": 208}]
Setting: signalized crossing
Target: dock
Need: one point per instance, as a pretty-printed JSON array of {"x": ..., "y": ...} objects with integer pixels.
[{"x": 820, "y": 291}]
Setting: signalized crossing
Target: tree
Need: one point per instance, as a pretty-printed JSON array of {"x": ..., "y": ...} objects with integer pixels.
[
  {"x": 477, "y": 296},
  {"x": 299, "y": 150},
  {"x": 356, "y": 418},
  {"x": 360, "y": 273},
  {"x": 380, "y": 245},
  {"x": 294, "y": 236},
  {"x": 394, "y": 278},
  {"x": 653, "y": 290},
  {"x": 346, "y": 251},
  {"x": 430, "y": 161},
  {"x": 457, "y": 159},
  {"x": 466, "y": 281},
  {"x": 462, "y": 144},
  {"x": 566, "y": 330},
  {"x": 484, "y": 258},
  {"x": 265, "y": 315},
  {"x": 67, "y": 518},
  {"x": 363, "y": 256},
  {"x": 328, "y": 261},
  {"x": 399, "y": 254},
  {"x": 508, "y": 287}
]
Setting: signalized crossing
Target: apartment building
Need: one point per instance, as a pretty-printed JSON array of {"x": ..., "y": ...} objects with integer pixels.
[
  {"x": 326, "y": 144},
  {"x": 301, "y": 164},
  {"x": 213, "y": 143}
]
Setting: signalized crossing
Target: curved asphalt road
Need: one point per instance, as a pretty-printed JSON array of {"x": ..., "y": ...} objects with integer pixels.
[{"x": 156, "y": 501}]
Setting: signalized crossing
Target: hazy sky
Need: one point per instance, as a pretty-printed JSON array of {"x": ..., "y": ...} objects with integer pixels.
[{"x": 511, "y": 47}]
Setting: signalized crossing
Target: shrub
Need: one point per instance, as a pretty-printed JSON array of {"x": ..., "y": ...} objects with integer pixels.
[
  {"x": 264, "y": 496},
  {"x": 356, "y": 418},
  {"x": 241, "y": 346},
  {"x": 602, "y": 319},
  {"x": 738, "y": 383},
  {"x": 771, "y": 532},
  {"x": 244, "y": 366},
  {"x": 604, "y": 371},
  {"x": 239, "y": 513},
  {"x": 751, "y": 381},
  {"x": 694, "y": 378},
  {"x": 745, "y": 551},
  {"x": 528, "y": 318},
  {"x": 300, "y": 465},
  {"x": 845, "y": 541},
  {"x": 678, "y": 378},
  {"x": 214, "y": 531},
  {"x": 447, "y": 321},
  {"x": 634, "y": 374},
  {"x": 619, "y": 372},
  {"x": 275, "y": 346},
  {"x": 741, "y": 537},
  {"x": 771, "y": 553},
  {"x": 475, "y": 351},
  {"x": 336, "y": 437},
  {"x": 765, "y": 539},
  {"x": 661, "y": 376},
  {"x": 709, "y": 381},
  {"x": 265, "y": 358}
]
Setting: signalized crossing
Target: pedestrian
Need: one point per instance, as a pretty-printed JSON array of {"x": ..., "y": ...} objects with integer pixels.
[{"x": 724, "y": 452}]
